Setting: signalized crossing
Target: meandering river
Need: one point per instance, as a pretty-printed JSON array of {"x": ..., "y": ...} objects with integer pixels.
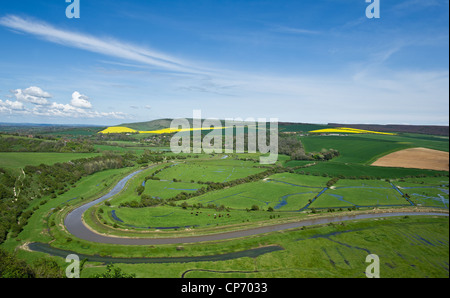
[{"x": 76, "y": 227}]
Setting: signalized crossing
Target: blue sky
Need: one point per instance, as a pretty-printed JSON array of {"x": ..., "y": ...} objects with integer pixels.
[{"x": 315, "y": 61}]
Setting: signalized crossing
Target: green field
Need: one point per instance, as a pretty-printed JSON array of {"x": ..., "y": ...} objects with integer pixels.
[
  {"x": 175, "y": 218},
  {"x": 413, "y": 247},
  {"x": 407, "y": 246},
  {"x": 287, "y": 192},
  {"x": 354, "y": 170},
  {"x": 16, "y": 160},
  {"x": 366, "y": 148},
  {"x": 214, "y": 170}
]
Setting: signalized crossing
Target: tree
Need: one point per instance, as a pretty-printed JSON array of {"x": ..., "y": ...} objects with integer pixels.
[
  {"x": 11, "y": 267},
  {"x": 140, "y": 189},
  {"x": 114, "y": 272},
  {"x": 47, "y": 268}
]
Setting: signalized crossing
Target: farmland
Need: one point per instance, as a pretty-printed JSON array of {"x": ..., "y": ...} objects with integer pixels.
[
  {"x": 419, "y": 158},
  {"x": 188, "y": 195},
  {"x": 13, "y": 160}
]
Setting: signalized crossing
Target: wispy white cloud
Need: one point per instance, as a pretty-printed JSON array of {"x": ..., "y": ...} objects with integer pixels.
[
  {"x": 417, "y": 4},
  {"x": 292, "y": 30},
  {"x": 105, "y": 46},
  {"x": 69, "y": 111},
  {"x": 364, "y": 90}
]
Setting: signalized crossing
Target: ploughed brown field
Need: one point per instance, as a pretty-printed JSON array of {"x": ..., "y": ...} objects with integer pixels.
[{"x": 417, "y": 158}]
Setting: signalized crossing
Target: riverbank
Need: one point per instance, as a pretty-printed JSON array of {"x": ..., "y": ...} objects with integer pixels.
[{"x": 409, "y": 246}]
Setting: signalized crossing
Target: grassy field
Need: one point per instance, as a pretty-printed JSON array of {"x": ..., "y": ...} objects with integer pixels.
[
  {"x": 214, "y": 170},
  {"x": 166, "y": 217},
  {"x": 22, "y": 159},
  {"x": 283, "y": 192},
  {"x": 287, "y": 192},
  {"x": 155, "y": 188},
  {"x": 354, "y": 170},
  {"x": 407, "y": 246},
  {"x": 426, "y": 191},
  {"x": 366, "y": 148}
]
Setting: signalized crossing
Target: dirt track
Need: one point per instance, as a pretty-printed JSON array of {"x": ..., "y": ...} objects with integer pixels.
[{"x": 417, "y": 158}]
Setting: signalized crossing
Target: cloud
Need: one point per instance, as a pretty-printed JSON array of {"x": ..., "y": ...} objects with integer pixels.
[
  {"x": 363, "y": 89},
  {"x": 36, "y": 91},
  {"x": 34, "y": 95},
  {"x": 70, "y": 111},
  {"x": 284, "y": 29},
  {"x": 11, "y": 106},
  {"x": 33, "y": 101},
  {"x": 80, "y": 101},
  {"x": 105, "y": 46}
]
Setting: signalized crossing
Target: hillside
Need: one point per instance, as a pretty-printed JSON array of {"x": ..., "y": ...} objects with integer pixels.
[
  {"x": 165, "y": 123},
  {"x": 422, "y": 129},
  {"x": 306, "y": 127},
  {"x": 149, "y": 125}
]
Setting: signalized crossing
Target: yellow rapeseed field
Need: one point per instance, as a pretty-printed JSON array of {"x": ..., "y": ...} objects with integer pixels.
[
  {"x": 120, "y": 129},
  {"x": 348, "y": 130},
  {"x": 168, "y": 130}
]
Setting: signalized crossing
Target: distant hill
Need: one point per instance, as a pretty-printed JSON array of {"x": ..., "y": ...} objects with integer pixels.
[
  {"x": 148, "y": 125},
  {"x": 422, "y": 129},
  {"x": 300, "y": 127},
  {"x": 306, "y": 127},
  {"x": 165, "y": 123}
]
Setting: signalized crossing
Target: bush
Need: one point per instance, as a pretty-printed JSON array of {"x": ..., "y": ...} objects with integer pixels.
[
  {"x": 140, "y": 189},
  {"x": 254, "y": 208}
]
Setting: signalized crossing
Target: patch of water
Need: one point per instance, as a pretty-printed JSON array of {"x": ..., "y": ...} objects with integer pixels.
[
  {"x": 252, "y": 253},
  {"x": 283, "y": 199}
]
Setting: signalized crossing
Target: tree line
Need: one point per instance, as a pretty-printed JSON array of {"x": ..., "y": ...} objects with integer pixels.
[
  {"x": 17, "y": 189},
  {"x": 293, "y": 147},
  {"x": 22, "y": 144}
]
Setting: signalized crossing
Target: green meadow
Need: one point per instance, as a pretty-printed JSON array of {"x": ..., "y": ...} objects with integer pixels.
[
  {"x": 354, "y": 170},
  {"x": 366, "y": 148},
  {"x": 175, "y": 218},
  {"x": 214, "y": 170},
  {"x": 287, "y": 192},
  {"x": 14, "y": 160},
  {"x": 410, "y": 246}
]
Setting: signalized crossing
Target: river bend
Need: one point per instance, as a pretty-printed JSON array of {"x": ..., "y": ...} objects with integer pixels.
[{"x": 76, "y": 227}]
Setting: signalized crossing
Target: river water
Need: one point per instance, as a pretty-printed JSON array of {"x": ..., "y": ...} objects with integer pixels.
[{"x": 76, "y": 227}]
